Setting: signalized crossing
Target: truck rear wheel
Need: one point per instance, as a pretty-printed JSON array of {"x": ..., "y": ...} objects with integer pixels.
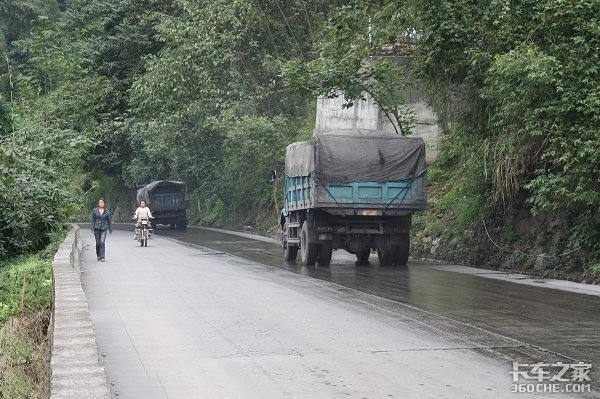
[
  {"x": 290, "y": 253},
  {"x": 324, "y": 256},
  {"x": 403, "y": 250},
  {"x": 307, "y": 251},
  {"x": 386, "y": 255},
  {"x": 362, "y": 256}
]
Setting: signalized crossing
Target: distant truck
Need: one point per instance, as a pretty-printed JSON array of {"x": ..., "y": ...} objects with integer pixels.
[
  {"x": 168, "y": 201},
  {"x": 354, "y": 190}
]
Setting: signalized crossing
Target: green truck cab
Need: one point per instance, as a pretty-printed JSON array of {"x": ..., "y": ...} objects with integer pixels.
[
  {"x": 168, "y": 201},
  {"x": 354, "y": 190}
]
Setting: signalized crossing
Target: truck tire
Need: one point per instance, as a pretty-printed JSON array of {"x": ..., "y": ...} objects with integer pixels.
[
  {"x": 308, "y": 252},
  {"x": 403, "y": 250},
  {"x": 290, "y": 253},
  {"x": 324, "y": 255},
  {"x": 386, "y": 255},
  {"x": 362, "y": 256}
]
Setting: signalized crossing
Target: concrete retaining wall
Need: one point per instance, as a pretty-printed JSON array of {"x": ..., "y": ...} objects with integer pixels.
[
  {"x": 366, "y": 114},
  {"x": 75, "y": 371}
]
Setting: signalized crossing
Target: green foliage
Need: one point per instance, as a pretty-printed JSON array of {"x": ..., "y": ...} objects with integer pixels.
[
  {"x": 17, "y": 16},
  {"x": 211, "y": 110},
  {"x": 24, "y": 357},
  {"x": 586, "y": 232},
  {"x": 222, "y": 55},
  {"x": 40, "y": 152},
  {"x": 595, "y": 269},
  {"x": 5, "y": 118},
  {"x": 25, "y": 285},
  {"x": 110, "y": 39},
  {"x": 33, "y": 202},
  {"x": 346, "y": 57},
  {"x": 532, "y": 69},
  {"x": 253, "y": 146},
  {"x": 115, "y": 36},
  {"x": 25, "y": 301},
  {"x": 459, "y": 194}
]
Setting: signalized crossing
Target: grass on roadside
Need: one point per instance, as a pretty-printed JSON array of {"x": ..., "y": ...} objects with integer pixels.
[
  {"x": 25, "y": 285},
  {"x": 25, "y": 306},
  {"x": 24, "y": 356}
]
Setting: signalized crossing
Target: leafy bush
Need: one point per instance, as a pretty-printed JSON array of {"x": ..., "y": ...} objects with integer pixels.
[{"x": 35, "y": 197}]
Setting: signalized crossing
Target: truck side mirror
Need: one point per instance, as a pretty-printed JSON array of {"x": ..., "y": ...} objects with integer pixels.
[{"x": 272, "y": 176}]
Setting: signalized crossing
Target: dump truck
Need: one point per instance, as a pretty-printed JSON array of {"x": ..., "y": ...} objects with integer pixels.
[
  {"x": 355, "y": 190},
  {"x": 168, "y": 200}
]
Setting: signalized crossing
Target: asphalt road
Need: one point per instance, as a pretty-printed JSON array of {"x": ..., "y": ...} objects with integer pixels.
[{"x": 180, "y": 320}]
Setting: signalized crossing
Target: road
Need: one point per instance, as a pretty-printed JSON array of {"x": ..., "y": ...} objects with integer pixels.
[{"x": 188, "y": 320}]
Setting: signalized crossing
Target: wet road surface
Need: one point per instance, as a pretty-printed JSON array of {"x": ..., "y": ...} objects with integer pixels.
[
  {"x": 186, "y": 321},
  {"x": 559, "y": 321}
]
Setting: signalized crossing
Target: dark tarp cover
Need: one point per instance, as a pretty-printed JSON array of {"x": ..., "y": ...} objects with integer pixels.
[
  {"x": 344, "y": 156},
  {"x": 144, "y": 193}
]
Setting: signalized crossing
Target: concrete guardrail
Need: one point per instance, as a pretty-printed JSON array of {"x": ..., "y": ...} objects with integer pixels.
[{"x": 75, "y": 370}]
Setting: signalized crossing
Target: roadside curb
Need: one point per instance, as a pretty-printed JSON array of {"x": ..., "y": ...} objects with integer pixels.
[
  {"x": 75, "y": 370},
  {"x": 251, "y": 236}
]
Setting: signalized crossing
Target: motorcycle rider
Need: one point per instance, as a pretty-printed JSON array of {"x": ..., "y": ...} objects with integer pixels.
[{"x": 142, "y": 212}]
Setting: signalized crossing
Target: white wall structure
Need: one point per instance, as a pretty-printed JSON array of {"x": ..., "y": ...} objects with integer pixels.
[{"x": 366, "y": 114}]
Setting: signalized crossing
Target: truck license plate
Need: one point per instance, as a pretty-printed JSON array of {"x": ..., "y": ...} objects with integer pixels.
[{"x": 370, "y": 212}]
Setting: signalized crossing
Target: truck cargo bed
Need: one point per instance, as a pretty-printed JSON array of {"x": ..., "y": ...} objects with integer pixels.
[{"x": 355, "y": 198}]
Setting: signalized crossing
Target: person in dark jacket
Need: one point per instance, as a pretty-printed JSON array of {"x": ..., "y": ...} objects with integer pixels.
[{"x": 101, "y": 223}]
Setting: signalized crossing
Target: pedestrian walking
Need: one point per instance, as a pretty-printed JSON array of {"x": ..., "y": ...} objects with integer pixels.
[{"x": 101, "y": 224}]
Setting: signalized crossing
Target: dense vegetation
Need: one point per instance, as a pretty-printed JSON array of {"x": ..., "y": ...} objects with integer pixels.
[
  {"x": 25, "y": 299},
  {"x": 101, "y": 96},
  {"x": 25, "y": 295},
  {"x": 530, "y": 141}
]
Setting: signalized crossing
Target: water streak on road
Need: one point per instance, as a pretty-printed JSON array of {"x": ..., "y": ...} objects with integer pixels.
[{"x": 558, "y": 321}]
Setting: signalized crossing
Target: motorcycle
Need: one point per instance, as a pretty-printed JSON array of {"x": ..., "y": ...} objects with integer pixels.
[{"x": 143, "y": 232}]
